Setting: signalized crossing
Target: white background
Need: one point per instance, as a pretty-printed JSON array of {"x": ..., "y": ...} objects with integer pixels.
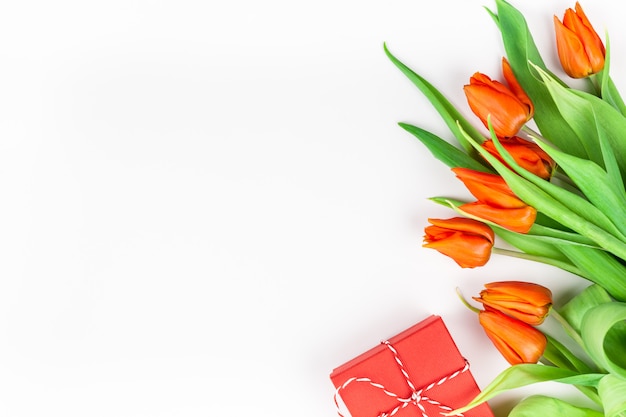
[{"x": 207, "y": 206}]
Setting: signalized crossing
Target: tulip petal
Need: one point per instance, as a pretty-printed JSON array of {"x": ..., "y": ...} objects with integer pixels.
[
  {"x": 517, "y": 341},
  {"x": 508, "y": 114},
  {"x": 488, "y": 188},
  {"x": 516, "y": 88},
  {"x": 534, "y": 293},
  {"x": 466, "y": 225},
  {"x": 527, "y": 154},
  {"x": 468, "y": 251},
  {"x": 518, "y": 220},
  {"x": 571, "y": 52},
  {"x": 594, "y": 50},
  {"x": 468, "y": 242},
  {"x": 594, "y": 47},
  {"x": 527, "y": 313}
]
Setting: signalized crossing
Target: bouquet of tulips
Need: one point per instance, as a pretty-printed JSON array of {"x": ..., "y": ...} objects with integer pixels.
[{"x": 547, "y": 177}]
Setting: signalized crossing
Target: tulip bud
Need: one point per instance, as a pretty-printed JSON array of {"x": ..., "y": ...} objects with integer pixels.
[
  {"x": 468, "y": 242},
  {"x": 517, "y": 341},
  {"x": 488, "y": 188},
  {"x": 580, "y": 49},
  {"x": 518, "y": 220},
  {"x": 524, "y": 301},
  {"x": 496, "y": 201},
  {"x": 526, "y": 154},
  {"x": 509, "y": 107}
]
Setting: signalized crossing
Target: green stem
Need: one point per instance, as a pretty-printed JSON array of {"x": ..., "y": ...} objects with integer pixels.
[
  {"x": 533, "y": 133},
  {"x": 595, "y": 85},
  {"x": 561, "y": 176},
  {"x": 464, "y": 301},
  {"x": 549, "y": 261},
  {"x": 567, "y": 327}
]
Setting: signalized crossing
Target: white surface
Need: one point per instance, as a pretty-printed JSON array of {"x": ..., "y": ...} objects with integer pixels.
[{"x": 207, "y": 206}]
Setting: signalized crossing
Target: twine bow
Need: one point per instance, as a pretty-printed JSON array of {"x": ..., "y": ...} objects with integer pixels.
[{"x": 417, "y": 397}]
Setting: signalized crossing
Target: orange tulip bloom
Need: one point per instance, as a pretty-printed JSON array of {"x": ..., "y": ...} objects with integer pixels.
[
  {"x": 518, "y": 220},
  {"x": 509, "y": 107},
  {"x": 468, "y": 242},
  {"x": 524, "y": 301},
  {"x": 517, "y": 341},
  {"x": 527, "y": 154},
  {"x": 580, "y": 49},
  {"x": 496, "y": 201},
  {"x": 489, "y": 188}
]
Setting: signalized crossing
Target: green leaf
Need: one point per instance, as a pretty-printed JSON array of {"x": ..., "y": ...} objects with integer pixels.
[
  {"x": 576, "y": 308},
  {"x": 581, "y": 121},
  {"x": 539, "y": 405},
  {"x": 603, "y": 76},
  {"x": 558, "y": 354},
  {"x": 448, "y": 112},
  {"x": 444, "y": 151},
  {"x": 614, "y": 176},
  {"x": 611, "y": 95},
  {"x": 604, "y": 333},
  {"x": 526, "y": 374},
  {"x": 608, "y": 90},
  {"x": 586, "y": 114},
  {"x": 537, "y": 248},
  {"x": 560, "y": 236},
  {"x": 494, "y": 16},
  {"x": 599, "y": 267},
  {"x": 612, "y": 391},
  {"x": 595, "y": 183}
]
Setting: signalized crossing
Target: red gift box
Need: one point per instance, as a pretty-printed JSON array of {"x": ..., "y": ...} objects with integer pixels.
[{"x": 419, "y": 372}]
